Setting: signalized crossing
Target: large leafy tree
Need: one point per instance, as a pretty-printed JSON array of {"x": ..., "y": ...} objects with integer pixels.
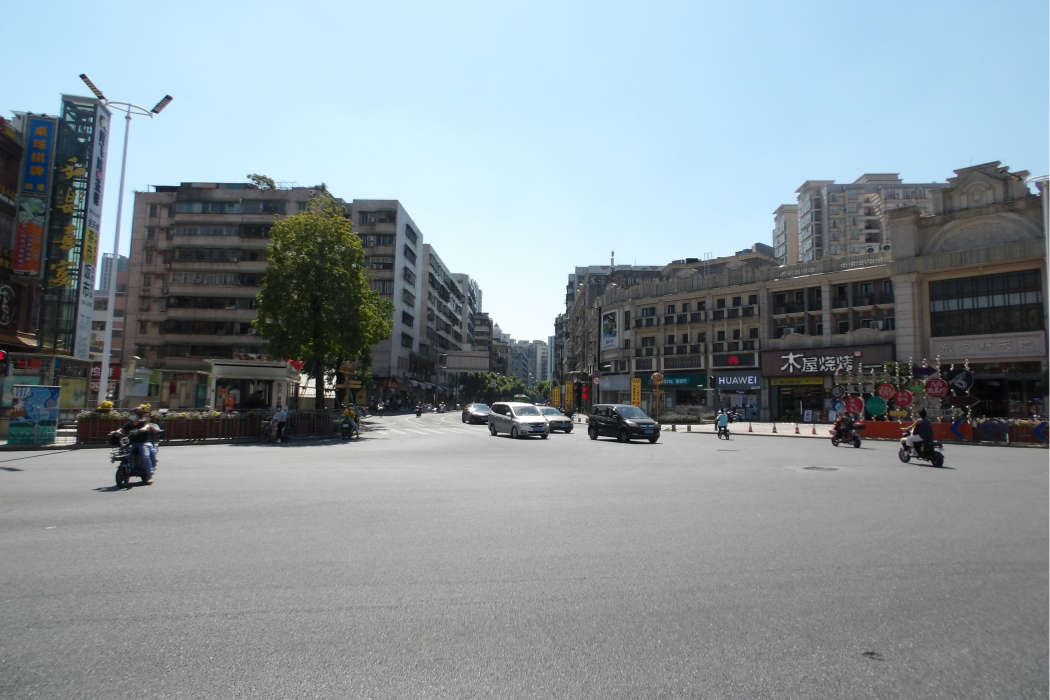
[{"x": 316, "y": 302}]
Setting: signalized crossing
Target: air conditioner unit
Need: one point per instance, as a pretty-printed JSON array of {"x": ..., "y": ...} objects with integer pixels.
[
  {"x": 886, "y": 246},
  {"x": 871, "y": 249},
  {"x": 876, "y": 325}
]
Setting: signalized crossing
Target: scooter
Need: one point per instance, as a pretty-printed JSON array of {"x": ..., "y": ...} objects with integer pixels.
[
  {"x": 419, "y": 411},
  {"x": 926, "y": 451},
  {"x": 268, "y": 431},
  {"x": 128, "y": 463},
  {"x": 723, "y": 432},
  {"x": 851, "y": 437},
  {"x": 347, "y": 431}
]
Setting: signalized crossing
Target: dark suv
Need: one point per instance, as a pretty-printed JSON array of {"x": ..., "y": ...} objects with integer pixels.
[{"x": 621, "y": 421}]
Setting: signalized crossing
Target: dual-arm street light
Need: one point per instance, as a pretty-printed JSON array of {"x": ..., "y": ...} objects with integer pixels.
[{"x": 128, "y": 110}]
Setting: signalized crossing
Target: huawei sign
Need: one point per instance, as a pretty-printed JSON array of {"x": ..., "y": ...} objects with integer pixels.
[{"x": 733, "y": 360}]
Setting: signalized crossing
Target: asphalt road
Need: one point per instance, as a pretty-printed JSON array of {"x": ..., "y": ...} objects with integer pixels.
[{"x": 430, "y": 560}]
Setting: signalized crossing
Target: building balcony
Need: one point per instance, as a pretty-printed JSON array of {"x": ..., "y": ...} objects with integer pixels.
[
  {"x": 669, "y": 320},
  {"x": 643, "y": 365},
  {"x": 649, "y": 322},
  {"x": 684, "y": 362},
  {"x": 791, "y": 307},
  {"x": 839, "y": 303},
  {"x": 682, "y": 318},
  {"x": 697, "y": 317}
]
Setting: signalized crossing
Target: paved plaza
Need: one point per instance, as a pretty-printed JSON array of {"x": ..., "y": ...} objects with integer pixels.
[{"x": 431, "y": 560}]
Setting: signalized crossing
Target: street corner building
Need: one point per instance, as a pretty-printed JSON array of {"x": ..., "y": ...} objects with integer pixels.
[{"x": 949, "y": 272}]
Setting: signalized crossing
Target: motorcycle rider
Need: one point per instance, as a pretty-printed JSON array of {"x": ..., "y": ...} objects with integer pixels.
[
  {"x": 419, "y": 409},
  {"x": 921, "y": 431},
  {"x": 843, "y": 425},
  {"x": 722, "y": 421},
  {"x": 137, "y": 430}
]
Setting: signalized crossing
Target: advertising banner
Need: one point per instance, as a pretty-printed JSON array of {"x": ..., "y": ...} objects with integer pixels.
[
  {"x": 555, "y": 395},
  {"x": 636, "y": 392},
  {"x": 74, "y": 393},
  {"x": 34, "y": 415},
  {"x": 610, "y": 332},
  {"x": 89, "y": 243},
  {"x": 568, "y": 396},
  {"x": 31, "y": 220}
]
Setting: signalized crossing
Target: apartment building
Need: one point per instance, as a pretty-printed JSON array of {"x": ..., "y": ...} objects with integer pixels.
[
  {"x": 966, "y": 286},
  {"x": 785, "y": 233},
  {"x": 470, "y": 309},
  {"x": 836, "y": 220}
]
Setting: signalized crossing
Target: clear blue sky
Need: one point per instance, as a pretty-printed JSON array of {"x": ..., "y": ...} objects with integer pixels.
[{"x": 528, "y": 138}]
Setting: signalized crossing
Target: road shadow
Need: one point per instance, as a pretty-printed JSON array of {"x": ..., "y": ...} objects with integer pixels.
[{"x": 116, "y": 489}]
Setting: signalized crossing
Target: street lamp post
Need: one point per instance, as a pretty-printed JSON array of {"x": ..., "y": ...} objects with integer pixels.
[{"x": 128, "y": 110}]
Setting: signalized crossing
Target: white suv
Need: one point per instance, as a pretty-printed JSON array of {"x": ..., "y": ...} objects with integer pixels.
[{"x": 517, "y": 419}]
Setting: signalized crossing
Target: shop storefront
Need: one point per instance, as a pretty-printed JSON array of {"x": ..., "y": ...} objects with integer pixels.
[
  {"x": 615, "y": 388},
  {"x": 1007, "y": 371},
  {"x": 800, "y": 379},
  {"x": 740, "y": 392},
  {"x": 249, "y": 385},
  {"x": 681, "y": 392}
]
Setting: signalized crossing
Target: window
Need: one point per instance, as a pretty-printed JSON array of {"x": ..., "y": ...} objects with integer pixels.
[
  {"x": 833, "y": 197},
  {"x": 408, "y": 297},
  {"x": 721, "y": 335},
  {"x": 843, "y": 326},
  {"x": 627, "y": 343},
  {"x": 407, "y": 318},
  {"x": 736, "y": 334},
  {"x": 670, "y": 340},
  {"x": 720, "y": 304},
  {"x": 853, "y": 208},
  {"x": 151, "y": 233},
  {"x": 409, "y": 276},
  {"x": 410, "y": 234},
  {"x": 752, "y": 333},
  {"x": 670, "y": 308},
  {"x": 834, "y": 223},
  {"x": 889, "y": 324},
  {"x": 385, "y": 239},
  {"x": 752, "y": 300},
  {"x": 122, "y": 289},
  {"x": 649, "y": 312},
  {"x": 834, "y": 249},
  {"x": 153, "y": 210},
  {"x": 101, "y": 304},
  {"x": 649, "y": 341},
  {"x": 302, "y": 206},
  {"x": 737, "y": 301},
  {"x": 118, "y": 313},
  {"x": 406, "y": 340},
  {"x": 685, "y": 307},
  {"x": 171, "y": 211},
  {"x": 383, "y": 286},
  {"x": 143, "y": 328},
  {"x": 854, "y": 247},
  {"x": 410, "y": 254},
  {"x": 1009, "y": 302},
  {"x": 627, "y": 319},
  {"x": 149, "y": 257},
  {"x": 98, "y": 325},
  {"x": 865, "y": 289},
  {"x": 685, "y": 339},
  {"x": 853, "y": 194},
  {"x": 380, "y": 262},
  {"x": 833, "y": 211},
  {"x": 147, "y": 279},
  {"x": 887, "y": 286}
]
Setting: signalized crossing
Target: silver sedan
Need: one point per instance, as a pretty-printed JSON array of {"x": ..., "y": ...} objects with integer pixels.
[{"x": 556, "y": 419}]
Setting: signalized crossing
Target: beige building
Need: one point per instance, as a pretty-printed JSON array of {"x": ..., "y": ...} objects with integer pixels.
[
  {"x": 785, "y": 233},
  {"x": 966, "y": 282}
]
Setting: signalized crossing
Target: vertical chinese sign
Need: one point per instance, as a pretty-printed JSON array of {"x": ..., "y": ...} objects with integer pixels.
[
  {"x": 556, "y": 395},
  {"x": 33, "y": 193},
  {"x": 636, "y": 391},
  {"x": 568, "y": 396},
  {"x": 72, "y": 242}
]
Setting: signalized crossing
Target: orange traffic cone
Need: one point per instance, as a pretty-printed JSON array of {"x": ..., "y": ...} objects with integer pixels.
[
  {"x": 774, "y": 428},
  {"x": 749, "y": 427},
  {"x": 796, "y": 429},
  {"x": 814, "y": 428}
]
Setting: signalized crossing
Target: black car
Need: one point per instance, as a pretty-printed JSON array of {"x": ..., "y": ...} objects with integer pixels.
[
  {"x": 476, "y": 413},
  {"x": 623, "y": 422}
]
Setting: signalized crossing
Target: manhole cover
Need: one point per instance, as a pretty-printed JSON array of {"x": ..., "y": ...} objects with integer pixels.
[{"x": 821, "y": 469}]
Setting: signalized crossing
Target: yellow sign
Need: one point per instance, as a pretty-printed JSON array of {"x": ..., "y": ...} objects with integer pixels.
[
  {"x": 568, "y": 395},
  {"x": 898, "y": 412},
  {"x": 636, "y": 392},
  {"x": 796, "y": 381},
  {"x": 555, "y": 395}
]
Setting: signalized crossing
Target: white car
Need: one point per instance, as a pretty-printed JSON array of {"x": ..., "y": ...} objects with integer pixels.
[{"x": 517, "y": 419}]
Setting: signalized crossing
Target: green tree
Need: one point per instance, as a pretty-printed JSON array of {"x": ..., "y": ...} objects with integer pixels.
[
  {"x": 263, "y": 182},
  {"x": 316, "y": 302}
]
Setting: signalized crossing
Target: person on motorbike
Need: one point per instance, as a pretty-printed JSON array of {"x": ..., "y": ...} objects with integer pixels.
[
  {"x": 354, "y": 427},
  {"x": 419, "y": 409},
  {"x": 137, "y": 430},
  {"x": 723, "y": 420},
  {"x": 843, "y": 424},
  {"x": 921, "y": 431},
  {"x": 281, "y": 418}
]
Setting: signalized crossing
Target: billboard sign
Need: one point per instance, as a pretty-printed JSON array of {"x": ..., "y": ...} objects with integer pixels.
[
  {"x": 636, "y": 392},
  {"x": 39, "y": 152},
  {"x": 89, "y": 242},
  {"x": 33, "y": 192},
  {"x": 568, "y": 395},
  {"x": 610, "y": 332},
  {"x": 34, "y": 414},
  {"x": 555, "y": 395}
]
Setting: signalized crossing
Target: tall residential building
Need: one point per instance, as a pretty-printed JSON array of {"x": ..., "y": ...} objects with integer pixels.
[
  {"x": 445, "y": 301},
  {"x": 470, "y": 309},
  {"x": 483, "y": 332},
  {"x": 837, "y": 220},
  {"x": 785, "y": 233},
  {"x": 105, "y": 269}
]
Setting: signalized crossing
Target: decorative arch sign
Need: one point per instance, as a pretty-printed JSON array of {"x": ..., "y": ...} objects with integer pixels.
[
  {"x": 936, "y": 388},
  {"x": 903, "y": 398},
  {"x": 855, "y": 405},
  {"x": 886, "y": 391}
]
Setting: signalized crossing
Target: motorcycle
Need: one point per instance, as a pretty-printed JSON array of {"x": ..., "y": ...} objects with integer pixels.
[
  {"x": 723, "y": 432},
  {"x": 419, "y": 411},
  {"x": 347, "y": 429},
  {"x": 128, "y": 462},
  {"x": 926, "y": 451},
  {"x": 849, "y": 437},
  {"x": 268, "y": 431}
]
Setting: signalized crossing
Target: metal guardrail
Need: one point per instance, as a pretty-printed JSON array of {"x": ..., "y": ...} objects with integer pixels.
[{"x": 240, "y": 426}]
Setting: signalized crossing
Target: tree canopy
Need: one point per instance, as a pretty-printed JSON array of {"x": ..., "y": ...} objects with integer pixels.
[
  {"x": 316, "y": 302},
  {"x": 477, "y": 387}
]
